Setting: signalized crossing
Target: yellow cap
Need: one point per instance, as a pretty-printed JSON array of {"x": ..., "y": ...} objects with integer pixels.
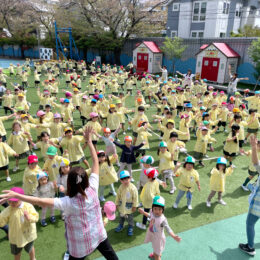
[
  {"x": 68, "y": 129},
  {"x": 76, "y": 90},
  {"x": 24, "y": 115},
  {"x": 170, "y": 121},
  {"x": 112, "y": 106},
  {"x": 236, "y": 110},
  {"x": 64, "y": 162},
  {"x": 91, "y": 81},
  {"x": 20, "y": 95}
]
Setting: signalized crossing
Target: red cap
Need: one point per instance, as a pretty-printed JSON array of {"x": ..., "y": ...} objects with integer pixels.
[{"x": 32, "y": 159}]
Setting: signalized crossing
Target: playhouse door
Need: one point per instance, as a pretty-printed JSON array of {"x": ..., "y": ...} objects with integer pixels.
[
  {"x": 210, "y": 68},
  {"x": 142, "y": 61}
]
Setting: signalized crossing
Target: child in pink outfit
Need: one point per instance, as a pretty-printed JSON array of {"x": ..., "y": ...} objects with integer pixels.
[{"x": 158, "y": 223}]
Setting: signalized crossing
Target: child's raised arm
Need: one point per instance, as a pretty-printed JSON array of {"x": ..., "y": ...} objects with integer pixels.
[{"x": 141, "y": 211}]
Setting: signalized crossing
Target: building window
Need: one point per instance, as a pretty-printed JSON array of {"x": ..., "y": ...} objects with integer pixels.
[
  {"x": 199, "y": 11},
  {"x": 197, "y": 34},
  {"x": 175, "y": 7},
  {"x": 226, "y": 6},
  {"x": 222, "y": 35},
  {"x": 174, "y": 34}
]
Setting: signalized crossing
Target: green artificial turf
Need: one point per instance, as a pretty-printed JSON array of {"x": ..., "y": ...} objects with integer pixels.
[{"x": 51, "y": 242}]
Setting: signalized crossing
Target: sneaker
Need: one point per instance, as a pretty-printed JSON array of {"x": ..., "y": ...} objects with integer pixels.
[
  {"x": 130, "y": 231},
  {"x": 244, "y": 188},
  {"x": 129, "y": 128},
  {"x": 8, "y": 178},
  {"x": 151, "y": 256},
  {"x": 102, "y": 199},
  {"x": 202, "y": 164},
  {"x": 222, "y": 202},
  {"x": 119, "y": 228},
  {"x": 206, "y": 156},
  {"x": 226, "y": 131},
  {"x": 233, "y": 165},
  {"x": 132, "y": 180},
  {"x": 15, "y": 169},
  {"x": 208, "y": 204},
  {"x": 172, "y": 190},
  {"x": 118, "y": 140},
  {"x": 141, "y": 225},
  {"x": 124, "y": 133},
  {"x": 245, "y": 141},
  {"x": 175, "y": 205},
  {"x": 112, "y": 193},
  {"x": 247, "y": 249},
  {"x": 66, "y": 256},
  {"x": 52, "y": 219},
  {"x": 43, "y": 223},
  {"x": 189, "y": 207}
]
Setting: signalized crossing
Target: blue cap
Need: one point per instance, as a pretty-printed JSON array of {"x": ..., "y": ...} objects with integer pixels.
[
  {"x": 94, "y": 100},
  {"x": 170, "y": 78},
  {"x": 164, "y": 98},
  {"x": 188, "y": 105},
  {"x": 173, "y": 91},
  {"x": 146, "y": 77},
  {"x": 205, "y": 114},
  {"x": 100, "y": 96},
  {"x": 120, "y": 71},
  {"x": 163, "y": 144},
  {"x": 124, "y": 174},
  {"x": 41, "y": 175},
  {"x": 222, "y": 160},
  {"x": 257, "y": 92},
  {"x": 157, "y": 76},
  {"x": 147, "y": 82},
  {"x": 173, "y": 79},
  {"x": 164, "y": 82},
  {"x": 66, "y": 100},
  {"x": 205, "y": 80}
]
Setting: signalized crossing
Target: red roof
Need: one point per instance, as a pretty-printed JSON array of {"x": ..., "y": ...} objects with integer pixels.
[
  {"x": 152, "y": 46},
  {"x": 224, "y": 48}
]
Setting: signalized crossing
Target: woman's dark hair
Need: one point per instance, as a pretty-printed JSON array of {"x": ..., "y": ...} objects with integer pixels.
[
  {"x": 173, "y": 134},
  {"x": 234, "y": 128},
  {"x": 77, "y": 182},
  {"x": 217, "y": 166},
  {"x": 157, "y": 206}
]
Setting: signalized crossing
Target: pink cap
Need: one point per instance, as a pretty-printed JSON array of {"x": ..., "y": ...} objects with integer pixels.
[
  {"x": 61, "y": 100},
  {"x": 110, "y": 210},
  {"x": 17, "y": 190},
  {"x": 93, "y": 114},
  {"x": 85, "y": 97},
  {"x": 222, "y": 92},
  {"x": 46, "y": 91},
  {"x": 68, "y": 70},
  {"x": 68, "y": 94},
  {"x": 57, "y": 115},
  {"x": 32, "y": 159},
  {"x": 210, "y": 87},
  {"x": 204, "y": 128},
  {"x": 214, "y": 93},
  {"x": 96, "y": 97},
  {"x": 223, "y": 103},
  {"x": 40, "y": 113}
]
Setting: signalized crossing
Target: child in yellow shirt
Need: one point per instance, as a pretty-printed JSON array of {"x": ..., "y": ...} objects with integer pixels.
[
  {"x": 218, "y": 179},
  {"x": 253, "y": 122},
  {"x": 21, "y": 218},
  {"x": 18, "y": 140},
  {"x": 142, "y": 137},
  {"x": 6, "y": 151},
  {"x": 149, "y": 191},
  {"x": 126, "y": 202},
  {"x": 107, "y": 173},
  {"x": 188, "y": 178},
  {"x": 166, "y": 165}
]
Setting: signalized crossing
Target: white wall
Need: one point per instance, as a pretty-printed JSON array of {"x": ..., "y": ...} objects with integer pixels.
[
  {"x": 211, "y": 18},
  {"x": 222, "y": 20},
  {"x": 185, "y": 19},
  {"x": 155, "y": 67}
]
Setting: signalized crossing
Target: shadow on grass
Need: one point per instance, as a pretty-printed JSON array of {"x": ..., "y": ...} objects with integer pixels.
[
  {"x": 202, "y": 208},
  {"x": 238, "y": 192},
  {"x": 232, "y": 253}
]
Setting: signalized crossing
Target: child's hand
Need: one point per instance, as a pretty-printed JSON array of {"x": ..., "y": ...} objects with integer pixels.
[
  {"x": 144, "y": 142},
  {"x": 164, "y": 185},
  {"x": 178, "y": 164},
  {"x": 111, "y": 139},
  {"x": 133, "y": 209},
  {"x": 62, "y": 189},
  {"x": 177, "y": 238},
  {"x": 26, "y": 215},
  {"x": 141, "y": 211}
]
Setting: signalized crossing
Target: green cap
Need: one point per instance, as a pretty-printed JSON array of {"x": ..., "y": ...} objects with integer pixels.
[
  {"x": 190, "y": 159},
  {"x": 205, "y": 122},
  {"x": 158, "y": 200},
  {"x": 118, "y": 101},
  {"x": 147, "y": 159},
  {"x": 163, "y": 144},
  {"x": 52, "y": 151},
  {"x": 19, "y": 109}
]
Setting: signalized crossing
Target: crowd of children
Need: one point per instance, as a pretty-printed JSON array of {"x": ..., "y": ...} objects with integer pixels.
[{"x": 184, "y": 106}]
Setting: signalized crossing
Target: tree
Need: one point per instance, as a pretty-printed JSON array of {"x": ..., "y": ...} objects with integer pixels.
[
  {"x": 173, "y": 49},
  {"x": 116, "y": 20},
  {"x": 254, "y": 54},
  {"x": 247, "y": 31}
]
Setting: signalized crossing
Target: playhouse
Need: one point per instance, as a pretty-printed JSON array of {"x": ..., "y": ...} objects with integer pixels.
[
  {"x": 147, "y": 57},
  {"x": 213, "y": 61}
]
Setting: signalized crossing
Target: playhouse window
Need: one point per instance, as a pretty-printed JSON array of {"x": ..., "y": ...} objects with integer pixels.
[
  {"x": 145, "y": 57},
  {"x": 139, "y": 57},
  {"x": 215, "y": 63},
  {"x": 206, "y": 63}
]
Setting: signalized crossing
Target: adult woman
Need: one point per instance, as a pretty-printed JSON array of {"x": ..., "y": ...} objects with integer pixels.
[
  {"x": 164, "y": 72},
  {"x": 83, "y": 221},
  {"x": 232, "y": 85},
  {"x": 254, "y": 208},
  {"x": 187, "y": 78}
]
